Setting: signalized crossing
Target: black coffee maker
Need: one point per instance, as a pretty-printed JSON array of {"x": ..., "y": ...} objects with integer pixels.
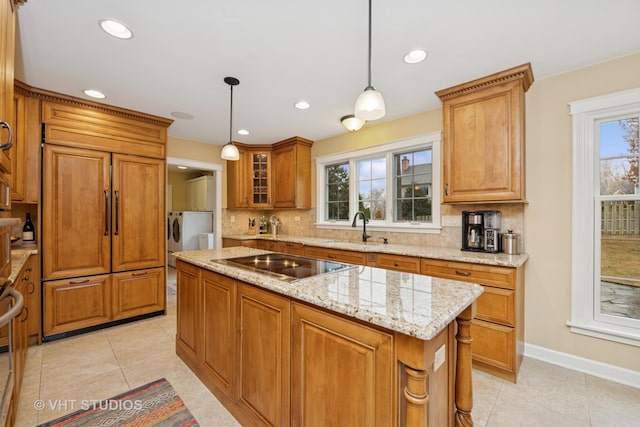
[{"x": 472, "y": 231}]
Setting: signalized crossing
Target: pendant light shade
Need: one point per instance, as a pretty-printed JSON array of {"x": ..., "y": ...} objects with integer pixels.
[
  {"x": 370, "y": 103},
  {"x": 229, "y": 150}
]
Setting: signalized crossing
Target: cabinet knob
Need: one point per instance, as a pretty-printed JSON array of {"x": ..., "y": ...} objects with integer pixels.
[{"x": 395, "y": 264}]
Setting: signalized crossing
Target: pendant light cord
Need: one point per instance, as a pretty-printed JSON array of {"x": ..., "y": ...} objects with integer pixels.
[
  {"x": 231, "y": 116},
  {"x": 369, "y": 83}
]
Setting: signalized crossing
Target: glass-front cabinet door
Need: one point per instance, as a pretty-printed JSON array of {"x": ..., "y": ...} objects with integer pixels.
[{"x": 260, "y": 169}]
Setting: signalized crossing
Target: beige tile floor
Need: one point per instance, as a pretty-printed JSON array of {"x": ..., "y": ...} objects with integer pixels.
[{"x": 101, "y": 364}]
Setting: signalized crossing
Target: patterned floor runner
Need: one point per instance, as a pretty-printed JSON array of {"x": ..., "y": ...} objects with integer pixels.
[{"x": 153, "y": 404}]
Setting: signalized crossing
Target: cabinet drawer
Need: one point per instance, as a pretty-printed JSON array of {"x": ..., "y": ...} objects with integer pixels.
[
  {"x": 358, "y": 258},
  {"x": 399, "y": 263},
  {"x": 493, "y": 344},
  {"x": 503, "y": 277},
  {"x": 496, "y": 305},
  {"x": 291, "y": 248}
]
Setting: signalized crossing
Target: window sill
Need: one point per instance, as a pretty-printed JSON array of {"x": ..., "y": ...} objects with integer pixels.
[{"x": 603, "y": 331}]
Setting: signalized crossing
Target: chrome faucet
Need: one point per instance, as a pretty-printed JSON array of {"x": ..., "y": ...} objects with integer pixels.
[{"x": 365, "y": 236}]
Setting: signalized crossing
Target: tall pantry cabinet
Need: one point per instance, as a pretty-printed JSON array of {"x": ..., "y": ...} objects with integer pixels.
[{"x": 103, "y": 214}]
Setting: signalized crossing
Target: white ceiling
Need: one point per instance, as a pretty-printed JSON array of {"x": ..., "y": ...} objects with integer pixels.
[{"x": 283, "y": 51}]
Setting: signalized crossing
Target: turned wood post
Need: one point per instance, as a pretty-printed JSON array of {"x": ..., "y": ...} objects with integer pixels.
[
  {"x": 416, "y": 394},
  {"x": 464, "y": 391}
]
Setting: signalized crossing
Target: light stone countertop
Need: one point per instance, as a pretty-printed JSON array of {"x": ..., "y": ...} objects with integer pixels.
[
  {"x": 412, "y": 304},
  {"x": 448, "y": 254}
]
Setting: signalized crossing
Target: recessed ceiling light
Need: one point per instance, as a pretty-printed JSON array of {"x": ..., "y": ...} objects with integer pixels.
[
  {"x": 94, "y": 93},
  {"x": 415, "y": 56},
  {"x": 243, "y": 132},
  {"x": 182, "y": 115},
  {"x": 302, "y": 105},
  {"x": 115, "y": 29},
  {"x": 182, "y": 167}
]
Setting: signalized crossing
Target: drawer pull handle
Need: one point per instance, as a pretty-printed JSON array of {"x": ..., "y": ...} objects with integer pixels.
[
  {"x": 463, "y": 273},
  {"x": 77, "y": 282},
  {"x": 332, "y": 256},
  {"x": 144, "y": 273}
]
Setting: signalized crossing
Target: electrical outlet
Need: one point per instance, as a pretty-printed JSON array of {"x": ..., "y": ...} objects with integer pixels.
[
  {"x": 440, "y": 357},
  {"x": 232, "y": 218},
  {"x": 296, "y": 218}
]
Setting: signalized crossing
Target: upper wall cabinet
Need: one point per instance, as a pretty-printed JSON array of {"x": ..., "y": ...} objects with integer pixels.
[
  {"x": 7, "y": 55},
  {"x": 484, "y": 138},
  {"x": 271, "y": 176},
  {"x": 292, "y": 173}
]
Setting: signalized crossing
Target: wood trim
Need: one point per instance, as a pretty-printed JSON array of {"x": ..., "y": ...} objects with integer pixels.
[
  {"x": 521, "y": 72},
  {"x": 50, "y": 96}
]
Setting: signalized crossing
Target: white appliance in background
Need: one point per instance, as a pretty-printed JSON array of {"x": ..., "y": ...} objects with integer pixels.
[
  {"x": 206, "y": 241},
  {"x": 169, "y": 237},
  {"x": 185, "y": 228},
  {"x": 201, "y": 193}
]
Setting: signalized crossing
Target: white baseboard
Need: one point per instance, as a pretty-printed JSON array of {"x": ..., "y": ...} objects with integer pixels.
[{"x": 581, "y": 364}]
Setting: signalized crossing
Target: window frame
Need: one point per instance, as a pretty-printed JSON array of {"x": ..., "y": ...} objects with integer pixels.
[
  {"x": 426, "y": 141},
  {"x": 586, "y": 115}
]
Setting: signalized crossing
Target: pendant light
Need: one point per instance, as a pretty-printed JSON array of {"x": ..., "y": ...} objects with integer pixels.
[
  {"x": 229, "y": 150},
  {"x": 370, "y": 104}
]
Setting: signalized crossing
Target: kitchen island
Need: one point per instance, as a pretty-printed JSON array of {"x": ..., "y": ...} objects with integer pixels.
[{"x": 357, "y": 346}]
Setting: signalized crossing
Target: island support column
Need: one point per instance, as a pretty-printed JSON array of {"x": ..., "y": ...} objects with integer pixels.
[
  {"x": 440, "y": 397},
  {"x": 464, "y": 390}
]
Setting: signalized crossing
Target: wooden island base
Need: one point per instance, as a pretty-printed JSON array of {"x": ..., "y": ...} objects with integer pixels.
[{"x": 273, "y": 360}]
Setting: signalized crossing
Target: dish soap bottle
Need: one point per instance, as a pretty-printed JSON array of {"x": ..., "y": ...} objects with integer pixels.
[{"x": 28, "y": 230}]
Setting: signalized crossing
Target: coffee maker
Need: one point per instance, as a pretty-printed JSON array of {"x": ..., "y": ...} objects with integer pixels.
[{"x": 480, "y": 231}]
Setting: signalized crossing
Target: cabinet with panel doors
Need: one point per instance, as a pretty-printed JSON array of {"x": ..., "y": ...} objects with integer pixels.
[
  {"x": 103, "y": 214},
  {"x": 483, "y": 148}
]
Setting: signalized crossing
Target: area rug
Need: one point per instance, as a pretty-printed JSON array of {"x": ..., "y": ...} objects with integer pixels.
[{"x": 153, "y": 404}]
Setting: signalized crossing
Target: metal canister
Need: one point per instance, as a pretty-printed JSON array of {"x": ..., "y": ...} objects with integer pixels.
[{"x": 510, "y": 243}]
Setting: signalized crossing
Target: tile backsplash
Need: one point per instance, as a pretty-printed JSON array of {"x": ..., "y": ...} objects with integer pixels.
[{"x": 301, "y": 223}]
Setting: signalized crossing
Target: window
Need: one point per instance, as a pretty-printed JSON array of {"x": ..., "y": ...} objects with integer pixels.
[
  {"x": 337, "y": 185},
  {"x": 395, "y": 185},
  {"x": 606, "y": 218}
]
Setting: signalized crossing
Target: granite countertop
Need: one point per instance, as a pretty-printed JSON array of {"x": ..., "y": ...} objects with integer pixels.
[
  {"x": 19, "y": 256},
  {"x": 412, "y": 304},
  {"x": 448, "y": 254}
]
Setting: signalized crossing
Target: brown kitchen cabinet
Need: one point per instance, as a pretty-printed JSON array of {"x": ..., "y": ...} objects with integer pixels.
[
  {"x": 407, "y": 264},
  {"x": 218, "y": 359},
  {"x": 103, "y": 221},
  {"x": 292, "y": 173},
  {"x": 30, "y": 276},
  {"x": 76, "y": 303},
  {"x": 229, "y": 243},
  {"x": 338, "y": 255},
  {"x": 263, "y": 352},
  {"x": 8, "y": 14},
  {"x": 138, "y": 292},
  {"x": 189, "y": 323},
  {"x": 291, "y": 248},
  {"x": 25, "y": 158},
  {"x": 237, "y": 181},
  {"x": 498, "y": 326},
  {"x": 483, "y": 149},
  {"x": 353, "y": 391},
  {"x": 20, "y": 347}
]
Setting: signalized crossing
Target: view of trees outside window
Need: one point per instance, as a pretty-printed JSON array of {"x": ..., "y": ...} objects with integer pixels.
[
  {"x": 372, "y": 183},
  {"x": 337, "y": 203},
  {"x": 413, "y": 179},
  {"x": 619, "y": 288}
]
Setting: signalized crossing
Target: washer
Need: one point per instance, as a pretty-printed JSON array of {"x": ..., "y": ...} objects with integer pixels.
[{"x": 185, "y": 228}]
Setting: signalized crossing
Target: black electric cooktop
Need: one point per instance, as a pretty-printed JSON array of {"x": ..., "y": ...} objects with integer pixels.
[{"x": 284, "y": 266}]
